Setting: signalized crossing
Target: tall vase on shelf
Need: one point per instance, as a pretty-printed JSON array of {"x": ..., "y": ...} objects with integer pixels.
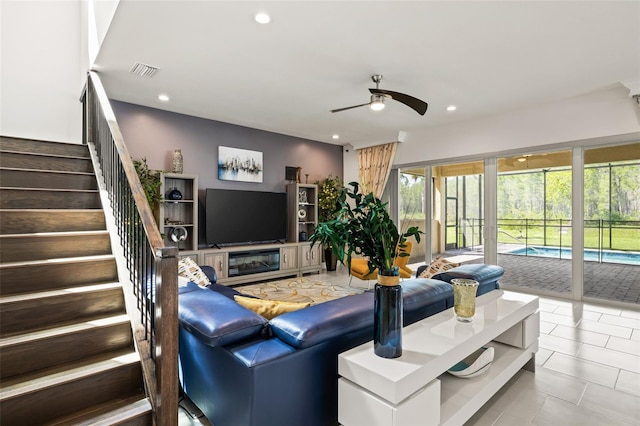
[
  {"x": 177, "y": 161},
  {"x": 387, "y": 320}
]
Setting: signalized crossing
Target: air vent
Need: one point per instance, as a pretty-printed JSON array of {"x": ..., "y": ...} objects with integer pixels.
[{"x": 143, "y": 69}]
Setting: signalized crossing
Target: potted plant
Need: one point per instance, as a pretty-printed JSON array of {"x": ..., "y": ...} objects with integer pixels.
[
  {"x": 363, "y": 226},
  {"x": 328, "y": 192},
  {"x": 150, "y": 181}
]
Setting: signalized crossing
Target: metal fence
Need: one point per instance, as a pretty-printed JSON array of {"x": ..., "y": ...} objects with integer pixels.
[{"x": 600, "y": 234}]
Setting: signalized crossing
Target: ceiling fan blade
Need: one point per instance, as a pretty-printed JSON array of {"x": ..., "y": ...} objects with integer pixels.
[
  {"x": 351, "y": 107},
  {"x": 416, "y": 104}
]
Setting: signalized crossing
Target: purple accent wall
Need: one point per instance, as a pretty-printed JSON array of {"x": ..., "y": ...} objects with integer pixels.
[{"x": 154, "y": 134}]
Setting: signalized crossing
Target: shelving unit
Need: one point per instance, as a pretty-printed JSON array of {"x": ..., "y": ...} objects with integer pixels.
[
  {"x": 303, "y": 219},
  {"x": 184, "y": 212},
  {"x": 303, "y": 210}
]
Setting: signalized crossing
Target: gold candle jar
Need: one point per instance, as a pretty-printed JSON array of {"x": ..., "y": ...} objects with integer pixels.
[{"x": 464, "y": 298}]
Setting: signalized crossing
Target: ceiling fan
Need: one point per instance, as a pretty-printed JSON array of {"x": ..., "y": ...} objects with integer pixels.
[{"x": 378, "y": 97}]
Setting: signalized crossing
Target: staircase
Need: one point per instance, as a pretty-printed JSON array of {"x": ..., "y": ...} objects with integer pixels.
[{"x": 66, "y": 347}]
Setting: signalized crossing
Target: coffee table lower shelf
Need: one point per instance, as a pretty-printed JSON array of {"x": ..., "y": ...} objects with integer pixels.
[
  {"x": 415, "y": 388},
  {"x": 461, "y": 398},
  {"x": 454, "y": 398}
]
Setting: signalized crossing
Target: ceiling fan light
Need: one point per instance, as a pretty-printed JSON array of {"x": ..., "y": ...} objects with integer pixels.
[{"x": 377, "y": 102}]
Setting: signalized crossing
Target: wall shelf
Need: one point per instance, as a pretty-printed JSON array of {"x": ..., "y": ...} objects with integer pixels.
[
  {"x": 303, "y": 219},
  {"x": 175, "y": 213}
]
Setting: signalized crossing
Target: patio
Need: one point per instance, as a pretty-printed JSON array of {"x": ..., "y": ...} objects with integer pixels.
[{"x": 606, "y": 281}]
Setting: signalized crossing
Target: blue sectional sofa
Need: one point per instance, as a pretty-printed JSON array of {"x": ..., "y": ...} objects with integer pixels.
[{"x": 243, "y": 370}]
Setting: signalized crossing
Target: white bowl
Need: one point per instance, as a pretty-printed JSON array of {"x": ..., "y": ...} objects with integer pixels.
[{"x": 473, "y": 365}]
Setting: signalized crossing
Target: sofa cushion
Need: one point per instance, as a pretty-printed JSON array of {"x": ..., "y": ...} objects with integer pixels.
[
  {"x": 422, "y": 292},
  {"x": 257, "y": 352},
  {"x": 480, "y": 272},
  {"x": 318, "y": 323},
  {"x": 224, "y": 290},
  {"x": 269, "y": 308},
  {"x": 210, "y": 272},
  {"x": 486, "y": 275},
  {"x": 216, "y": 319}
]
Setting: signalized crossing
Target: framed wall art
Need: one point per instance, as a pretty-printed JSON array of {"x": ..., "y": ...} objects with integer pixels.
[{"x": 241, "y": 165}]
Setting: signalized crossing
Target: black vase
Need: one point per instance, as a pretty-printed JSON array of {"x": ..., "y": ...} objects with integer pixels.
[
  {"x": 387, "y": 322},
  {"x": 174, "y": 194},
  {"x": 330, "y": 259}
]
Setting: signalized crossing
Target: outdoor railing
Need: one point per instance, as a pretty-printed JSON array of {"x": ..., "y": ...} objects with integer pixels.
[
  {"x": 600, "y": 235},
  {"x": 152, "y": 267}
]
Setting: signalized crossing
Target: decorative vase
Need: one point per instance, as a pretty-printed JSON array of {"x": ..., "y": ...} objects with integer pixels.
[
  {"x": 464, "y": 298},
  {"x": 330, "y": 259},
  {"x": 387, "y": 320},
  {"x": 174, "y": 194},
  {"x": 177, "y": 161}
]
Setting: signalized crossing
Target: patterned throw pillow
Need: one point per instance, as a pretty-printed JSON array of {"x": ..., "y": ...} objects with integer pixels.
[
  {"x": 189, "y": 269},
  {"x": 437, "y": 266}
]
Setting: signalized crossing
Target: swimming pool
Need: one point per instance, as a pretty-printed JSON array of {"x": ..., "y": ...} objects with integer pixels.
[{"x": 629, "y": 258}]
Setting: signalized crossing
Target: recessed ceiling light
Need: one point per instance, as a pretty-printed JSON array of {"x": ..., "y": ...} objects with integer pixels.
[
  {"x": 262, "y": 18},
  {"x": 452, "y": 108},
  {"x": 336, "y": 136},
  {"x": 163, "y": 97}
]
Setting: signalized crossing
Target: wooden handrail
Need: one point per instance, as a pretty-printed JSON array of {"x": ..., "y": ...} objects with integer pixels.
[
  {"x": 152, "y": 293},
  {"x": 146, "y": 215}
]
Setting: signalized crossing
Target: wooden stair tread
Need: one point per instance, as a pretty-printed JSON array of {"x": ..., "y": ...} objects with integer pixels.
[
  {"x": 41, "y": 154},
  {"x": 98, "y": 232},
  {"x": 48, "y": 211},
  {"x": 113, "y": 412},
  {"x": 58, "y": 375},
  {"x": 64, "y": 260},
  {"x": 63, "y": 329},
  {"x": 37, "y": 145},
  {"x": 49, "y": 190},
  {"x": 23, "y": 297},
  {"x": 65, "y": 172}
]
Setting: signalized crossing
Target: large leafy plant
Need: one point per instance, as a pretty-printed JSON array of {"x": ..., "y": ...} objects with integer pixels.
[
  {"x": 363, "y": 226},
  {"x": 329, "y": 190},
  {"x": 150, "y": 181}
]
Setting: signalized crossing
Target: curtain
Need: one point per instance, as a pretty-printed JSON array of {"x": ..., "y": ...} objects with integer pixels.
[{"x": 374, "y": 164}]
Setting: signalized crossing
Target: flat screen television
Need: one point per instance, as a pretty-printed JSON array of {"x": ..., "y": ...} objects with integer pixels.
[{"x": 245, "y": 217}]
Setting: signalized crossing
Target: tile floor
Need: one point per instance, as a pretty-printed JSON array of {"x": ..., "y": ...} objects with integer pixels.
[{"x": 587, "y": 369}]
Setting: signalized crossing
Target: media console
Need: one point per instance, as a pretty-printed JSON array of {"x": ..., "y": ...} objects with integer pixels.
[{"x": 245, "y": 264}]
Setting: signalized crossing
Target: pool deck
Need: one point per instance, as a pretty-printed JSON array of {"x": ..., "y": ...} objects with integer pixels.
[{"x": 607, "y": 281}]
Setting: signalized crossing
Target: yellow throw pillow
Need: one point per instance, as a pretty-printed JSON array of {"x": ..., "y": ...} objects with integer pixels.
[
  {"x": 437, "y": 266},
  {"x": 189, "y": 269},
  {"x": 269, "y": 308}
]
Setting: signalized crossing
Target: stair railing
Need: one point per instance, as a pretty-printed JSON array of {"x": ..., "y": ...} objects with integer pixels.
[{"x": 152, "y": 267}]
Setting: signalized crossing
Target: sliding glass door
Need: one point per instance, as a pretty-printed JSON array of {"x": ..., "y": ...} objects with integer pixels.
[
  {"x": 554, "y": 232},
  {"x": 458, "y": 220},
  {"x": 612, "y": 223},
  {"x": 534, "y": 221},
  {"x": 412, "y": 208}
]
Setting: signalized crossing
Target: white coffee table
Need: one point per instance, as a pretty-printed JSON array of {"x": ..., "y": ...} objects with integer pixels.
[{"x": 415, "y": 388}]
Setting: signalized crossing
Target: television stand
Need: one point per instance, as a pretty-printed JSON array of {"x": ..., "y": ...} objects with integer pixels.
[{"x": 261, "y": 262}]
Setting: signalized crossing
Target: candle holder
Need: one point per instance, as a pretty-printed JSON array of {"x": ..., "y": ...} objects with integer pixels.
[{"x": 464, "y": 298}]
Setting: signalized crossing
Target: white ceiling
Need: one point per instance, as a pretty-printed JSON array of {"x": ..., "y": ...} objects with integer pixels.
[{"x": 485, "y": 57}]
